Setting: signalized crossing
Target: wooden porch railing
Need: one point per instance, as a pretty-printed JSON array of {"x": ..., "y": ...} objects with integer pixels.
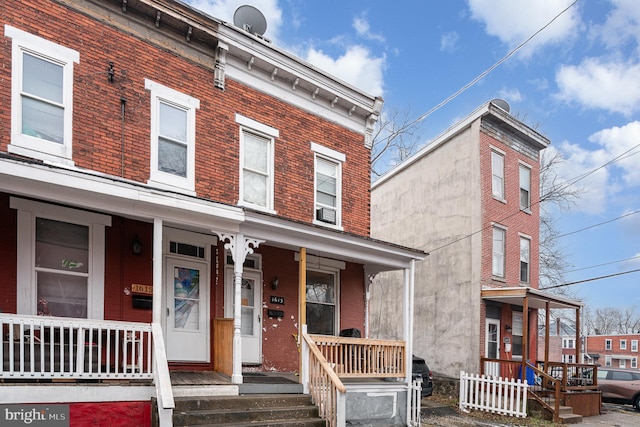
[
  {"x": 58, "y": 347},
  {"x": 326, "y": 389},
  {"x": 359, "y": 357}
]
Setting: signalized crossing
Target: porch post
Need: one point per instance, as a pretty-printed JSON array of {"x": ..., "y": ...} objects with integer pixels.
[
  {"x": 525, "y": 338},
  {"x": 302, "y": 308},
  {"x": 239, "y": 246},
  {"x": 156, "y": 304},
  {"x": 408, "y": 318},
  {"x": 546, "y": 334},
  {"x": 578, "y": 332}
]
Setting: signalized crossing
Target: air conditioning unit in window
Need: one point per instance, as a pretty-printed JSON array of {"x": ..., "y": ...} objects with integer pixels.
[{"x": 326, "y": 215}]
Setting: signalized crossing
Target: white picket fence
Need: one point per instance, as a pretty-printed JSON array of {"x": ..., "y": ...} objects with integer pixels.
[
  {"x": 493, "y": 394},
  {"x": 415, "y": 394}
]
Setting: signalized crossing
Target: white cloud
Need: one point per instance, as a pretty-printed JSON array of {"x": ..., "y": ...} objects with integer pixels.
[
  {"x": 449, "y": 42},
  {"x": 361, "y": 25},
  {"x": 612, "y": 86},
  {"x": 356, "y": 66},
  {"x": 514, "y": 21},
  {"x": 622, "y": 24},
  {"x": 510, "y": 94},
  {"x": 619, "y": 140}
]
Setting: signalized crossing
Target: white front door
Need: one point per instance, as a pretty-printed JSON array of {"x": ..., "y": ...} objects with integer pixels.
[
  {"x": 492, "y": 347},
  {"x": 187, "y": 304},
  {"x": 251, "y": 313}
]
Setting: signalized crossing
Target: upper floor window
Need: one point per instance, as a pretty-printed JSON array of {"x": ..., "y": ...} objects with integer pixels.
[
  {"x": 525, "y": 187},
  {"x": 256, "y": 163},
  {"x": 328, "y": 185},
  {"x": 525, "y": 246},
  {"x": 498, "y": 251},
  {"x": 623, "y": 344},
  {"x": 497, "y": 175},
  {"x": 607, "y": 344},
  {"x": 173, "y": 136},
  {"x": 41, "y": 97},
  {"x": 568, "y": 343},
  {"x": 634, "y": 345}
]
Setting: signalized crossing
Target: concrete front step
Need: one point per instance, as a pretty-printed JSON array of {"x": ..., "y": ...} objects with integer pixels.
[
  {"x": 249, "y": 410},
  {"x": 570, "y": 418}
]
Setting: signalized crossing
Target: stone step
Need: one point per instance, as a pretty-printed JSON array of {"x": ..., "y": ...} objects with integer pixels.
[
  {"x": 570, "y": 418},
  {"x": 241, "y": 402}
]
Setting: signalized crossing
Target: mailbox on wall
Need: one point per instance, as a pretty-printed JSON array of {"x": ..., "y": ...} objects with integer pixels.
[{"x": 141, "y": 296}]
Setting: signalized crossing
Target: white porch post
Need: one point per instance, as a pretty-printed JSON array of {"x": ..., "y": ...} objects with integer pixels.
[
  {"x": 239, "y": 246},
  {"x": 409, "y": 284},
  {"x": 157, "y": 272}
]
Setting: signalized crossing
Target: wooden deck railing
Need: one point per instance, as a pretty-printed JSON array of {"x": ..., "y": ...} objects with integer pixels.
[
  {"x": 359, "y": 357},
  {"x": 573, "y": 376},
  {"x": 325, "y": 387},
  {"x": 41, "y": 347}
]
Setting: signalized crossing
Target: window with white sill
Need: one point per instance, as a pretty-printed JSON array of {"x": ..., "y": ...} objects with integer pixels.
[
  {"x": 173, "y": 130},
  {"x": 328, "y": 185},
  {"x": 497, "y": 175},
  {"x": 525, "y": 188},
  {"x": 525, "y": 250},
  {"x": 257, "y": 145},
  {"x": 322, "y": 301},
  {"x": 60, "y": 268},
  {"x": 634, "y": 345},
  {"x": 623, "y": 344},
  {"x": 499, "y": 235},
  {"x": 607, "y": 344},
  {"x": 41, "y": 97}
]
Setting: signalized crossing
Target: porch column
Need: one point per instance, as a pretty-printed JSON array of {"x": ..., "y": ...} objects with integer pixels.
[
  {"x": 525, "y": 338},
  {"x": 302, "y": 312},
  {"x": 239, "y": 246},
  {"x": 546, "y": 334},
  {"x": 409, "y": 283},
  {"x": 578, "y": 332},
  {"x": 157, "y": 272}
]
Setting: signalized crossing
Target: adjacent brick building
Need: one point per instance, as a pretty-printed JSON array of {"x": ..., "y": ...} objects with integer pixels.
[{"x": 617, "y": 351}]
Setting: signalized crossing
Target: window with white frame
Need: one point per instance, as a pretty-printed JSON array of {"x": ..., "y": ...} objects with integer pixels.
[
  {"x": 328, "y": 185},
  {"x": 60, "y": 269},
  {"x": 517, "y": 333},
  {"x": 568, "y": 343},
  {"x": 607, "y": 360},
  {"x": 41, "y": 97},
  {"x": 525, "y": 250},
  {"x": 567, "y": 358},
  {"x": 498, "y": 251},
  {"x": 623, "y": 344},
  {"x": 173, "y": 137},
  {"x": 607, "y": 344},
  {"x": 497, "y": 175},
  {"x": 321, "y": 301},
  {"x": 634, "y": 345},
  {"x": 622, "y": 363},
  {"x": 256, "y": 163},
  {"x": 525, "y": 187},
  {"x": 634, "y": 362}
]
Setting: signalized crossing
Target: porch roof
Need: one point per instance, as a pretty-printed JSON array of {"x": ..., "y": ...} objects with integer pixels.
[{"x": 537, "y": 298}]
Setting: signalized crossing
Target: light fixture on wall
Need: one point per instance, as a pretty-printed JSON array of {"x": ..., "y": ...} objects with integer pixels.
[
  {"x": 275, "y": 283},
  {"x": 136, "y": 246},
  {"x": 507, "y": 328}
]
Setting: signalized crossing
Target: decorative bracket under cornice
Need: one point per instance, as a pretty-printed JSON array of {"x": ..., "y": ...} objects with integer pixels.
[{"x": 219, "y": 68}]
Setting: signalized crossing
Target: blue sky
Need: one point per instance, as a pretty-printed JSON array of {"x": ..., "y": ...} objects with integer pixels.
[{"x": 577, "y": 82}]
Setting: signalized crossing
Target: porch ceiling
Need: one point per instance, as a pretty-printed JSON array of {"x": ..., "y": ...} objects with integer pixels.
[{"x": 537, "y": 299}]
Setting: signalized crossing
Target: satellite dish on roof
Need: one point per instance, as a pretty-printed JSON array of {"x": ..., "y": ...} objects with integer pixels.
[
  {"x": 250, "y": 19},
  {"x": 501, "y": 103}
]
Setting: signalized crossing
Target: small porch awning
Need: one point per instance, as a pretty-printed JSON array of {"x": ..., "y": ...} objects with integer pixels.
[{"x": 537, "y": 298}]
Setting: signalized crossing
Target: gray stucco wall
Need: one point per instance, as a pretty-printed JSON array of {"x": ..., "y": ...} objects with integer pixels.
[{"x": 434, "y": 205}]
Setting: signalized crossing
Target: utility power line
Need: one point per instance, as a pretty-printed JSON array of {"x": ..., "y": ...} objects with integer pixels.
[
  {"x": 590, "y": 280},
  {"x": 597, "y": 225}
]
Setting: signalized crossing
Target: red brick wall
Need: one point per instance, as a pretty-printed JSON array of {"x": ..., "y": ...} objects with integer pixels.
[
  {"x": 113, "y": 414},
  {"x": 97, "y": 125},
  {"x": 8, "y": 258},
  {"x": 596, "y": 345},
  {"x": 509, "y": 214}
]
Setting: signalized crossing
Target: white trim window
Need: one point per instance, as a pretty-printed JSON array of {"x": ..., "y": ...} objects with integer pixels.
[
  {"x": 525, "y": 251},
  {"x": 257, "y": 145},
  {"x": 607, "y": 360},
  {"x": 41, "y": 97},
  {"x": 499, "y": 236},
  {"x": 634, "y": 362},
  {"x": 322, "y": 301},
  {"x": 568, "y": 343},
  {"x": 517, "y": 333},
  {"x": 623, "y": 344},
  {"x": 60, "y": 269},
  {"x": 525, "y": 188},
  {"x": 634, "y": 345},
  {"x": 607, "y": 344},
  {"x": 497, "y": 175},
  {"x": 173, "y": 138},
  {"x": 327, "y": 185}
]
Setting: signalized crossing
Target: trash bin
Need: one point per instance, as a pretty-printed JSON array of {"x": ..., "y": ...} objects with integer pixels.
[
  {"x": 351, "y": 333},
  {"x": 531, "y": 376}
]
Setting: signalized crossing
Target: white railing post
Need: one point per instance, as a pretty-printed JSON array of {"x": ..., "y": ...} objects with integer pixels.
[
  {"x": 162, "y": 379},
  {"x": 304, "y": 369},
  {"x": 341, "y": 408}
]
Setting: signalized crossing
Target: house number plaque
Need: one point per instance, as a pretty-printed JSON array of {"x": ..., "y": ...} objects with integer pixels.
[{"x": 277, "y": 300}]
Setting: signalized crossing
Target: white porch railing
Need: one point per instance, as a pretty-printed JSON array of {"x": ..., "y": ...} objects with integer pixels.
[
  {"x": 491, "y": 394},
  {"x": 41, "y": 347}
]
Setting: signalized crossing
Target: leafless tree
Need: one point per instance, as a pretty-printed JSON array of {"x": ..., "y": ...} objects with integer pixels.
[{"x": 611, "y": 320}]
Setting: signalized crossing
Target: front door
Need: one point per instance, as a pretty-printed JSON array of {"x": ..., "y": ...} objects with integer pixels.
[
  {"x": 187, "y": 305},
  {"x": 251, "y": 312},
  {"x": 492, "y": 348}
]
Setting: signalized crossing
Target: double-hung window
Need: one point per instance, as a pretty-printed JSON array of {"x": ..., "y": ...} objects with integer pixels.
[
  {"x": 328, "y": 185},
  {"x": 499, "y": 235},
  {"x": 173, "y": 136},
  {"x": 517, "y": 334},
  {"x": 634, "y": 345},
  {"x": 525, "y": 188},
  {"x": 60, "y": 268},
  {"x": 623, "y": 344},
  {"x": 497, "y": 175},
  {"x": 256, "y": 164},
  {"x": 322, "y": 300},
  {"x": 607, "y": 344},
  {"x": 41, "y": 97},
  {"x": 525, "y": 254}
]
